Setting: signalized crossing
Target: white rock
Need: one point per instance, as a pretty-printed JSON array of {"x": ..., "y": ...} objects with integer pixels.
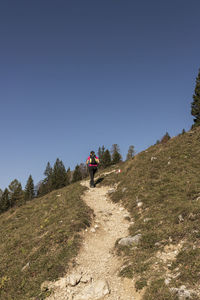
[
  {"x": 92, "y": 230},
  {"x": 26, "y": 266},
  {"x": 61, "y": 283},
  {"x": 121, "y": 208},
  {"x": 183, "y": 293},
  {"x": 153, "y": 158},
  {"x": 167, "y": 281},
  {"x": 180, "y": 217},
  {"x": 94, "y": 291},
  {"x": 73, "y": 279},
  {"x": 139, "y": 204},
  {"x": 86, "y": 278},
  {"x": 130, "y": 240},
  {"x": 110, "y": 191},
  {"x": 46, "y": 285}
]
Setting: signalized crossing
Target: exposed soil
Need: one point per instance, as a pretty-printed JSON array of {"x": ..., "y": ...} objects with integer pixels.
[{"x": 96, "y": 258}]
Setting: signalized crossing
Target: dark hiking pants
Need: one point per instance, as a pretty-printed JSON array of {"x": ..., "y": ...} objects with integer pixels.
[{"x": 92, "y": 171}]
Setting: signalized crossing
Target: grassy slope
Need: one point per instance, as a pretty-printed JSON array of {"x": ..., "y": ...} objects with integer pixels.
[
  {"x": 44, "y": 234},
  {"x": 168, "y": 186}
]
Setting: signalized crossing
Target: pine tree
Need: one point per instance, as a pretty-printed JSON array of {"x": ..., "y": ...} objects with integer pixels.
[
  {"x": 68, "y": 176},
  {"x": 47, "y": 183},
  {"x": 183, "y": 131},
  {"x": 116, "y": 156},
  {"x": 76, "y": 174},
  {"x": 165, "y": 138},
  {"x": 83, "y": 170},
  {"x": 59, "y": 175},
  {"x": 42, "y": 190},
  {"x": 29, "y": 189},
  {"x": 106, "y": 159},
  {"x": 195, "y": 107},
  {"x": 4, "y": 201},
  {"x": 131, "y": 152},
  {"x": 16, "y": 193},
  {"x": 99, "y": 153}
]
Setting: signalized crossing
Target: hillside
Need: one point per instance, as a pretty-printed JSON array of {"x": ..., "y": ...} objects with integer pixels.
[
  {"x": 159, "y": 187},
  {"x": 39, "y": 239}
]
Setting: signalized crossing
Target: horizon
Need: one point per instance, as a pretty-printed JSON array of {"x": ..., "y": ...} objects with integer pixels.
[{"x": 76, "y": 76}]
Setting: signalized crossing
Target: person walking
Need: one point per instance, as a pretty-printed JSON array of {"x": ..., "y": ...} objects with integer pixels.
[{"x": 92, "y": 163}]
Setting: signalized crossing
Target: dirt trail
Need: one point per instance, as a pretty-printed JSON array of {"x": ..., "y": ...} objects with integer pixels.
[{"x": 96, "y": 259}]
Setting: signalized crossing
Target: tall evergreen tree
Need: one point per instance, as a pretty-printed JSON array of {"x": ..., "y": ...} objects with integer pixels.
[
  {"x": 77, "y": 174},
  {"x": 4, "y": 201},
  {"x": 102, "y": 150},
  {"x": 83, "y": 170},
  {"x": 29, "y": 189},
  {"x": 68, "y": 176},
  {"x": 42, "y": 189},
  {"x": 99, "y": 153},
  {"x": 16, "y": 193},
  {"x": 183, "y": 131},
  {"x": 195, "y": 107},
  {"x": 131, "y": 152},
  {"x": 165, "y": 138},
  {"x": 116, "y": 156},
  {"x": 106, "y": 159},
  {"x": 48, "y": 181},
  {"x": 59, "y": 175}
]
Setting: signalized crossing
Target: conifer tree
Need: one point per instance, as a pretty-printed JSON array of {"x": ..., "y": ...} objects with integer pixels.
[
  {"x": 4, "y": 201},
  {"x": 195, "y": 107},
  {"x": 76, "y": 174},
  {"x": 59, "y": 175},
  {"x": 116, "y": 156},
  {"x": 106, "y": 159},
  {"x": 165, "y": 138},
  {"x": 47, "y": 183},
  {"x": 83, "y": 170},
  {"x": 183, "y": 131},
  {"x": 131, "y": 152},
  {"x": 42, "y": 190},
  {"x": 68, "y": 176},
  {"x": 16, "y": 193},
  {"x": 99, "y": 153},
  {"x": 29, "y": 189}
]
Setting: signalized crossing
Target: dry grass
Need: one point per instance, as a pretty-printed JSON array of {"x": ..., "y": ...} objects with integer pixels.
[
  {"x": 166, "y": 179},
  {"x": 38, "y": 240}
]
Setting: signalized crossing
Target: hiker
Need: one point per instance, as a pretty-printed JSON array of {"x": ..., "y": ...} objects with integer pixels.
[{"x": 92, "y": 163}]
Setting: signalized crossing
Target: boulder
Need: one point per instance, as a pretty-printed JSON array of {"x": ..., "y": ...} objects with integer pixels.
[
  {"x": 73, "y": 279},
  {"x": 94, "y": 291},
  {"x": 130, "y": 240},
  {"x": 183, "y": 293}
]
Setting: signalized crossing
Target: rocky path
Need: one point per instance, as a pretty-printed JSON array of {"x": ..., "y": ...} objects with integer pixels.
[{"x": 96, "y": 273}]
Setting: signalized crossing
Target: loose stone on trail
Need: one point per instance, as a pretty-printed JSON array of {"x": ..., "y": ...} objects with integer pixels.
[{"x": 95, "y": 273}]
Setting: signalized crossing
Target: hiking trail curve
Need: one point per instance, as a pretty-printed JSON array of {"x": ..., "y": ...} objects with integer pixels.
[{"x": 95, "y": 275}]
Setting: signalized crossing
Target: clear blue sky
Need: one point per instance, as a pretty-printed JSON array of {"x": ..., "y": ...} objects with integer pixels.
[{"x": 76, "y": 75}]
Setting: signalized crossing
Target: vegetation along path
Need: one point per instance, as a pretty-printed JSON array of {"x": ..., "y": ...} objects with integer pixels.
[{"x": 95, "y": 275}]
